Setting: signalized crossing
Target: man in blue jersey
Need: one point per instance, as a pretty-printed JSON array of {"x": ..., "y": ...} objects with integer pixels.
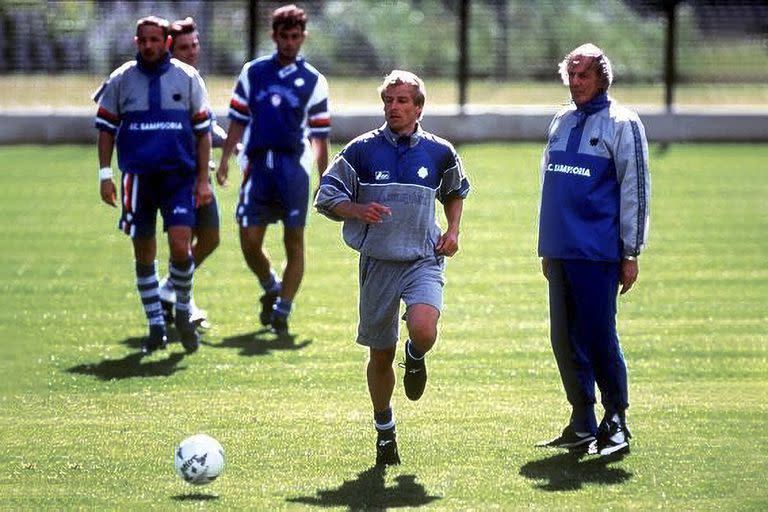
[
  {"x": 185, "y": 46},
  {"x": 383, "y": 186},
  {"x": 593, "y": 225},
  {"x": 155, "y": 110},
  {"x": 279, "y": 109}
]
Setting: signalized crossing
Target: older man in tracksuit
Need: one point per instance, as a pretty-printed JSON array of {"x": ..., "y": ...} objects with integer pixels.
[{"x": 593, "y": 225}]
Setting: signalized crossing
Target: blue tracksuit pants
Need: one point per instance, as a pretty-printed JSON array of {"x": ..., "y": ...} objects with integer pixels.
[{"x": 582, "y": 310}]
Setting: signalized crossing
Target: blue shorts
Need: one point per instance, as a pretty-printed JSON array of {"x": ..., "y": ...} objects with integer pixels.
[
  {"x": 383, "y": 284},
  {"x": 144, "y": 194},
  {"x": 275, "y": 187}
]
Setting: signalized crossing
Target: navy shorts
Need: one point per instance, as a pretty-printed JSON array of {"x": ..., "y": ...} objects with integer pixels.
[
  {"x": 144, "y": 194},
  {"x": 275, "y": 187}
]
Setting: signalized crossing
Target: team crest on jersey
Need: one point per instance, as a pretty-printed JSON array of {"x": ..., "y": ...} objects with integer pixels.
[
  {"x": 422, "y": 172},
  {"x": 287, "y": 70},
  {"x": 276, "y": 100},
  {"x": 382, "y": 175}
]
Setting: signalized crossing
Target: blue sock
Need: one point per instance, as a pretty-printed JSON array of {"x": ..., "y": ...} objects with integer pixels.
[
  {"x": 182, "y": 276},
  {"x": 148, "y": 287},
  {"x": 272, "y": 284},
  {"x": 283, "y": 307},
  {"x": 384, "y": 420},
  {"x": 413, "y": 351}
]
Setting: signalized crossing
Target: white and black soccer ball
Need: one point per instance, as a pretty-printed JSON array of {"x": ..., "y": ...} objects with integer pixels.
[{"x": 199, "y": 459}]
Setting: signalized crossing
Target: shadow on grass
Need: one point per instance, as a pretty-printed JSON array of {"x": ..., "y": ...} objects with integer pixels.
[
  {"x": 260, "y": 343},
  {"x": 132, "y": 365},
  {"x": 369, "y": 491},
  {"x": 195, "y": 496},
  {"x": 570, "y": 471}
]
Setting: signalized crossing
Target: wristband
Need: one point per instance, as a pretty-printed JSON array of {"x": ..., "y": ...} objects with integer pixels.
[
  {"x": 630, "y": 258},
  {"x": 105, "y": 173}
]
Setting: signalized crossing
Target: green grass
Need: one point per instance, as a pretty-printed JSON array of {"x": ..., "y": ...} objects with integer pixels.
[
  {"x": 85, "y": 424},
  {"x": 62, "y": 91}
]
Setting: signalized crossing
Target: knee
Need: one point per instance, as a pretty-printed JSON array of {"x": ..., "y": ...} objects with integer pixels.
[
  {"x": 423, "y": 335},
  {"x": 179, "y": 249},
  {"x": 381, "y": 360}
]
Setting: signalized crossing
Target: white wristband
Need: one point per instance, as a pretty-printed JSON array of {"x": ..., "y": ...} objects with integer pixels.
[{"x": 105, "y": 173}]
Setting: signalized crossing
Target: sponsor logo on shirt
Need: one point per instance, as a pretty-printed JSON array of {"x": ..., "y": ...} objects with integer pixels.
[
  {"x": 159, "y": 125},
  {"x": 570, "y": 169},
  {"x": 381, "y": 175},
  {"x": 180, "y": 210}
]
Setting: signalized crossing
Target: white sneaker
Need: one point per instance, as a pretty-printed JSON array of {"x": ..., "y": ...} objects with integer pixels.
[
  {"x": 198, "y": 316},
  {"x": 167, "y": 293}
]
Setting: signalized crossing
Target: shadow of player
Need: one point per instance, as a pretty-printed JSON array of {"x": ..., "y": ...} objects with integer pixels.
[
  {"x": 570, "y": 471},
  {"x": 195, "y": 496},
  {"x": 133, "y": 365},
  {"x": 260, "y": 343},
  {"x": 369, "y": 491}
]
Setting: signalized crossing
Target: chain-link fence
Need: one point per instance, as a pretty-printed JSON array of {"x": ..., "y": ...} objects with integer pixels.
[{"x": 508, "y": 40}]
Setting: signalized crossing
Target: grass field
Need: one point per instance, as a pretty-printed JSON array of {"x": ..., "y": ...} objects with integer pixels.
[{"x": 87, "y": 424}]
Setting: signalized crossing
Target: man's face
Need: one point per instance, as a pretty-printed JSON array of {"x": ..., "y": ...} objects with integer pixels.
[
  {"x": 151, "y": 42},
  {"x": 400, "y": 112},
  {"x": 583, "y": 80},
  {"x": 288, "y": 42},
  {"x": 186, "y": 48}
]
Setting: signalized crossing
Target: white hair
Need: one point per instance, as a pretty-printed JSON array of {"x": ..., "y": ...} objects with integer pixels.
[{"x": 600, "y": 63}]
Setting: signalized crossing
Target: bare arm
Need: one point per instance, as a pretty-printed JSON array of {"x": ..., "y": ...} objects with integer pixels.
[
  {"x": 448, "y": 244},
  {"x": 106, "y": 144},
  {"x": 234, "y": 135},
  {"x": 203, "y": 192}
]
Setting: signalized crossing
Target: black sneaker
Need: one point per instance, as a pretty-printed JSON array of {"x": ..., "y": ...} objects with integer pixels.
[
  {"x": 279, "y": 324},
  {"x": 386, "y": 449},
  {"x": 569, "y": 440},
  {"x": 267, "y": 305},
  {"x": 414, "y": 376},
  {"x": 167, "y": 310},
  {"x": 190, "y": 339},
  {"x": 612, "y": 438},
  {"x": 157, "y": 339}
]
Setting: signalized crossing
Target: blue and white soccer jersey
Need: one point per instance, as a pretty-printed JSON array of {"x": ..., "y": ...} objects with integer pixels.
[
  {"x": 282, "y": 107},
  {"x": 405, "y": 174},
  {"x": 155, "y": 113}
]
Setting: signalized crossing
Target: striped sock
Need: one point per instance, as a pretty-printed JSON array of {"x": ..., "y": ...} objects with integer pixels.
[
  {"x": 147, "y": 285},
  {"x": 182, "y": 275}
]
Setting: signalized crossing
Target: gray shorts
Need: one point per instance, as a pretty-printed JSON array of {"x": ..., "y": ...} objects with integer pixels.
[{"x": 383, "y": 284}]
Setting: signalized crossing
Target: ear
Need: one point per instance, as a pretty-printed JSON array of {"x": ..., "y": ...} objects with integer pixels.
[{"x": 168, "y": 41}]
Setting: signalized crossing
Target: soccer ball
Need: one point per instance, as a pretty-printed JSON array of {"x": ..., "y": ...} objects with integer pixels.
[{"x": 199, "y": 459}]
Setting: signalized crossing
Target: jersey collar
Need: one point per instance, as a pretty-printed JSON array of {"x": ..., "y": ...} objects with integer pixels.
[{"x": 393, "y": 138}]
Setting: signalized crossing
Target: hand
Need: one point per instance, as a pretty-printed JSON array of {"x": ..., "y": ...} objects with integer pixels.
[
  {"x": 372, "y": 213},
  {"x": 628, "y": 275},
  {"x": 448, "y": 243},
  {"x": 203, "y": 193},
  {"x": 545, "y": 267},
  {"x": 108, "y": 192},
  {"x": 222, "y": 173}
]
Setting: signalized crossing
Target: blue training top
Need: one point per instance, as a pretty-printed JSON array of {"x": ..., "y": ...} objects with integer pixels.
[{"x": 156, "y": 111}]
